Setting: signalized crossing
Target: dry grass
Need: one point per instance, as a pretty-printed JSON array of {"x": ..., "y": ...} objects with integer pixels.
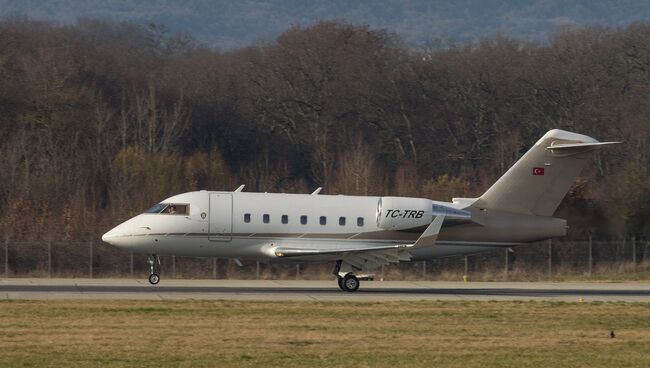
[{"x": 301, "y": 334}]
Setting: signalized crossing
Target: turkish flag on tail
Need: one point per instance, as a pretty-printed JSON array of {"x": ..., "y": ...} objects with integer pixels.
[{"x": 538, "y": 171}]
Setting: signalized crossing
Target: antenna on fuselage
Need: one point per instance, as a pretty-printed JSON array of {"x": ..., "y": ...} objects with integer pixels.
[
  {"x": 317, "y": 191},
  {"x": 240, "y": 188}
]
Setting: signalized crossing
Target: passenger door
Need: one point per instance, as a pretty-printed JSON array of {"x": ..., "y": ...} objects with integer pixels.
[{"x": 220, "y": 216}]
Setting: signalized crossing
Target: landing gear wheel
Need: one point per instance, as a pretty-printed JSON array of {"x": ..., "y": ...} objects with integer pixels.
[
  {"x": 350, "y": 283},
  {"x": 154, "y": 266},
  {"x": 340, "y": 281}
]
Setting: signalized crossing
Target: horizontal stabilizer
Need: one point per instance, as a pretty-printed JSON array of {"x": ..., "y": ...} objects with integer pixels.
[
  {"x": 578, "y": 145},
  {"x": 569, "y": 149}
]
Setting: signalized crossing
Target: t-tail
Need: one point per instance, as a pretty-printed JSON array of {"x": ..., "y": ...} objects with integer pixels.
[{"x": 537, "y": 183}]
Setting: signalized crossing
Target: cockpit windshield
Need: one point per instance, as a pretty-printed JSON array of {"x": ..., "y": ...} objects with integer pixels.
[
  {"x": 170, "y": 209},
  {"x": 156, "y": 208}
]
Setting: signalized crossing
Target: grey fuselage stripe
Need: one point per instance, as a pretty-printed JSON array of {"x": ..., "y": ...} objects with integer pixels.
[{"x": 322, "y": 236}]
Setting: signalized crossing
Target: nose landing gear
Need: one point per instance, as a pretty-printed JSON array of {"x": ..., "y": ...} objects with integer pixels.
[{"x": 154, "y": 264}]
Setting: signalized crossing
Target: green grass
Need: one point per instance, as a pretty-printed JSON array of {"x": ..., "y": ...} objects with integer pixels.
[{"x": 303, "y": 334}]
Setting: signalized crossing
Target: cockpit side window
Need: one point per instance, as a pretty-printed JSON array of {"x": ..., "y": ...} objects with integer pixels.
[{"x": 170, "y": 209}]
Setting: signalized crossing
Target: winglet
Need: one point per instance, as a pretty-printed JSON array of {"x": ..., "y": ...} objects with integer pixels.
[
  {"x": 429, "y": 236},
  {"x": 239, "y": 188},
  {"x": 317, "y": 191}
]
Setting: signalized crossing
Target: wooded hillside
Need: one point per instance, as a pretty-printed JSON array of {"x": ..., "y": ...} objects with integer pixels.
[
  {"x": 100, "y": 120},
  {"x": 227, "y": 24}
]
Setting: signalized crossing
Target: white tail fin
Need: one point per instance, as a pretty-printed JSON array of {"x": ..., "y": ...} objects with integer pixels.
[{"x": 537, "y": 183}]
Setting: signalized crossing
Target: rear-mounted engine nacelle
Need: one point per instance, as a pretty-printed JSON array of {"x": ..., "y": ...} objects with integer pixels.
[{"x": 398, "y": 213}]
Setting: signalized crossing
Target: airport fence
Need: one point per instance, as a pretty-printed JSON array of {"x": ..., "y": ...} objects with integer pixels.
[{"x": 550, "y": 260}]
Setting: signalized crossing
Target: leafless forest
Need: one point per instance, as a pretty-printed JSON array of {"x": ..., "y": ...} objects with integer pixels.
[{"x": 100, "y": 120}]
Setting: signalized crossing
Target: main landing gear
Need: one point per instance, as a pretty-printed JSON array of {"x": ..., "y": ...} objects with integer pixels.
[
  {"x": 154, "y": 264},
  {"x": 348, "y": 282},
  {"x": 346, "y": 279}
]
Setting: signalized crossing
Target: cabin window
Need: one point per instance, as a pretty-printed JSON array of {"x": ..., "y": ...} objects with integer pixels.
[
  {"x": 170, "y": 209},
  {"x": 359, "y": 221},
  {"x": 266, "y": 218},
  {"x": 342, "y": 221},
  {"x": 303, "y": 220},
  {"x": 247, "y": 217},
  {"x": 285, "y": 219},
  {"x": 323, "y": 220}
]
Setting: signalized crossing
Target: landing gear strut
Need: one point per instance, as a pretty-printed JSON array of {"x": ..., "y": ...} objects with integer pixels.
[
  {"x": 346, "y": 279},
  {"x": 154, "y": 264}
]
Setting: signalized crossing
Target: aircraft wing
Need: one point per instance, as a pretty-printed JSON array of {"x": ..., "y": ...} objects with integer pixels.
[
  {"x": 292, "y": 251},
  {"x": 368, "y": 257}
]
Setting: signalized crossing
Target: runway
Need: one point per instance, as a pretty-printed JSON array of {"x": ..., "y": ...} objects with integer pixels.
[{"x": 370, "y": 291}]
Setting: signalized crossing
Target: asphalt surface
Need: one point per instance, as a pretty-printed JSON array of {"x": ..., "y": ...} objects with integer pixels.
[{"x": 370, "y": 291}]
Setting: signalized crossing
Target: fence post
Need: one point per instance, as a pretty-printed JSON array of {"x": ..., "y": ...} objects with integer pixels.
[
  {"x": 465, "y": 275},
  {"x": 591, "y": 255},
  {"x": 214, "y": 268},
  {"x": 505, "y": 270},
  {"x": 6, "y": 257},
  {"x": 173, "y": 267},
  {"x": 131, "y": 264},
  {"x": 550, "y": 258},
  {"x": 257, "y": 270},
  {"x": 634, "y": 255},
  {"x": 90, "y": 247},
  {"x": 620, "y": 246},
  {"x": 49, "y": 259},
  {"x": 424, "y": 270},
  {"x": 382, "y": 273},
  {"x": 298, "y": 271}
]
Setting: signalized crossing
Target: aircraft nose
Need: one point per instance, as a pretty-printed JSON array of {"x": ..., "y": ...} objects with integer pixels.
[
  {"x": 125, "y": 236},
  {"x": 106, "y": 237},
  {"x": 110, "y": 237},
  {"x": 118, "y": 236}
]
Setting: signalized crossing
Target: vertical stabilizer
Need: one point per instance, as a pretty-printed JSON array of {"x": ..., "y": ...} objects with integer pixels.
[{"x": 537, "y": 183}]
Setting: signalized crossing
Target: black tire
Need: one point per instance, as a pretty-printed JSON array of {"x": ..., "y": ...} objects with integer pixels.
[
  {"x": 339, "y": 279},
  {"x": 350, "y": 283},
  {"x": 154, "y": 278}
]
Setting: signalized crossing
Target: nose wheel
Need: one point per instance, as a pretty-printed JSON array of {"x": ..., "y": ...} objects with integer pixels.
[{"x": 154, "y": 264}]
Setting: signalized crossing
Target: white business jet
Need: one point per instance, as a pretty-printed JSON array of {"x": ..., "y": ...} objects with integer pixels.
[{"x": 363, "y": 233}]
